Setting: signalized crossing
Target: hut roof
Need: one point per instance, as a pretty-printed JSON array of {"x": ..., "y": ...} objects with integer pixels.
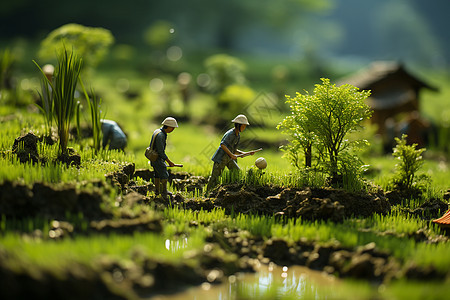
[
  {"x": 383, "y": 70},
  {"x": 444, "y": 220}
]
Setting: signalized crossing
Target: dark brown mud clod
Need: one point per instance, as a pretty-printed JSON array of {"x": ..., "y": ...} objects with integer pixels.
[
  {"x": 25, "y": 147},
  {"x": 70, "y": 158}
]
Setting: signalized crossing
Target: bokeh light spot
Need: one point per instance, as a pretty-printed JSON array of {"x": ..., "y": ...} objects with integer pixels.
[
  {"x": 174, "y": 53},
  {"x": 156, "y": 85}
]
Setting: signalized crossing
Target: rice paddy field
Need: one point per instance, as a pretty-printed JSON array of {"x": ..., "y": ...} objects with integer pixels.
[{"x": 96, "y": 230}]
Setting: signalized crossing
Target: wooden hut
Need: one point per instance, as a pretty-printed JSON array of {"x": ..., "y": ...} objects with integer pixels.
[{"x": 394, "y": 92}]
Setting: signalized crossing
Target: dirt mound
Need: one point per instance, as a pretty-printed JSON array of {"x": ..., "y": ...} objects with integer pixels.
[
  {"x": 25, "y": 147},
  {"x": 310, "y": 204},
  {"x": 189, "y": 184},
  {"x": 431, "y": 209},
  {"x": 51, "y": 201},
  {"x": 121, "y": 177}
]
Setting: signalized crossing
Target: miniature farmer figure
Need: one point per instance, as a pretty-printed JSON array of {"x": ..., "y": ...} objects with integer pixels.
[
  {"x": 113, "y": 135},
  {"x": 159, "y": 166},
  {"x": 227, "y": 153}
]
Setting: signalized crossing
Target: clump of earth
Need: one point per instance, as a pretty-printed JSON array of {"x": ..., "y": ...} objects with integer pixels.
[
  {"x": 25, "y": 148},
  {"x": 307, "y": 203}
]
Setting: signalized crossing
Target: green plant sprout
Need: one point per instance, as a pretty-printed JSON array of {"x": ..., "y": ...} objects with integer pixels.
[{"x": 96, "y": 116}]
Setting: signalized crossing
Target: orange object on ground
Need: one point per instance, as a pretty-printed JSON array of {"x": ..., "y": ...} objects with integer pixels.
[{"x": 443, "y": 221}]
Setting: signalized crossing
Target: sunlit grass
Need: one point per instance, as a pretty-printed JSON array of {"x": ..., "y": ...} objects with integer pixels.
[
  {"x": 394, "y": 222},
  {"x": 350, "y": 234},
  {"x": 11, "y": 169}
]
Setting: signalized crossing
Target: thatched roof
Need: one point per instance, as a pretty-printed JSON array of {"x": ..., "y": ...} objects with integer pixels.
[
  {"x": 391, "y": 84},
  {"x": 383, "y": 70}
]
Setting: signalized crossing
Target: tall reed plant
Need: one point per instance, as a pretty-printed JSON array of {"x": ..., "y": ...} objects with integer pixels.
[
  {"x": 47, "y": 104},
  {"x": 63, "y": 88}
]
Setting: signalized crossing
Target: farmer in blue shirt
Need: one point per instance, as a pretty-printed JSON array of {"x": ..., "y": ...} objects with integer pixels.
[
  {"x": 159, "y": 165},
  {"x": 113, "y": 135},
  {"x": 227, "y": 153}
]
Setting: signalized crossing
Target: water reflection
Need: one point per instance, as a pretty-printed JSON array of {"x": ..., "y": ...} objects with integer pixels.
[
  {"x": 274, "y": 280},
  {"x": 175, "y": 245}
]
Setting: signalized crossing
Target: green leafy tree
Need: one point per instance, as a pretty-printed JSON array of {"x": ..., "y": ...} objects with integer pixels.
[
  {"x": 300, "y": 129},
  {"x": 410, "y": 161},
  {"x": 90, "y": 43},
  {"x": 323, "y": 120}
]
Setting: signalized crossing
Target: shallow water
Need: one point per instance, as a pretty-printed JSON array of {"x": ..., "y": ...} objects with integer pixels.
[{"x": 296, "y": 279}]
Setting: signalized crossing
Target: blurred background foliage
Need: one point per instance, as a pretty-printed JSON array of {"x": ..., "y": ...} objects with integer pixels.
[{"x": 410, "y": 30}]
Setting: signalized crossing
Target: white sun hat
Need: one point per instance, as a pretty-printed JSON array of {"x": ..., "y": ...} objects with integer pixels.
[
  {"x": 240, "y": 119},
  {"x": 171, "y": 122}
]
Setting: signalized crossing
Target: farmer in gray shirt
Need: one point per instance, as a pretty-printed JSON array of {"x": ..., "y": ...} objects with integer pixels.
[
  {"x": 113, "y": 135},
  {"x": 227, "y": 153},
  {"x": 159, "y": 165}
]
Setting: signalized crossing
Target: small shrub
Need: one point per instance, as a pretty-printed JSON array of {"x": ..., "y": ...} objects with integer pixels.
[
  {"x": 410, "y": 161},
  {"x": 224, "y": 70},
  {"x": 233, "y": 98}
]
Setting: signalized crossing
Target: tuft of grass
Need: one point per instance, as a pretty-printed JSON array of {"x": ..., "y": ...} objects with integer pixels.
[{"x": 61, "y": 106}]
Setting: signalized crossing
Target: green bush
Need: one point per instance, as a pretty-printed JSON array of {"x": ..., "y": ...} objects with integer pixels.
[
  {"x": 224, "y": 70},
  {"x": 410, "y": 161},
  {"x": 90, "y": 43},
  {"x": 234, "y": 98}
]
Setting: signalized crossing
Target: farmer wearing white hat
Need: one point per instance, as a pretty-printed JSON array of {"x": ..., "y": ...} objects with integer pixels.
[
  {"x": 227, "y": 153},
  {"x": 159, "y": 139}
]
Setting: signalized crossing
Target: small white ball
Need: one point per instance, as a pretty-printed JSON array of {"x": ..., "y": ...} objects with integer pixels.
[{"x": 261, "y": 163}]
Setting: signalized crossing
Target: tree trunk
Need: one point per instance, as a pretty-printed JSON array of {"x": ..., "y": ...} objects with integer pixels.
[{"x": 308, "y": 156}]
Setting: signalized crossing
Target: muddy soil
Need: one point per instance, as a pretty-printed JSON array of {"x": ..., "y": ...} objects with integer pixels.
[
  {"x": 308, "y": 204},
  {"x": 83, "y": 210}
]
